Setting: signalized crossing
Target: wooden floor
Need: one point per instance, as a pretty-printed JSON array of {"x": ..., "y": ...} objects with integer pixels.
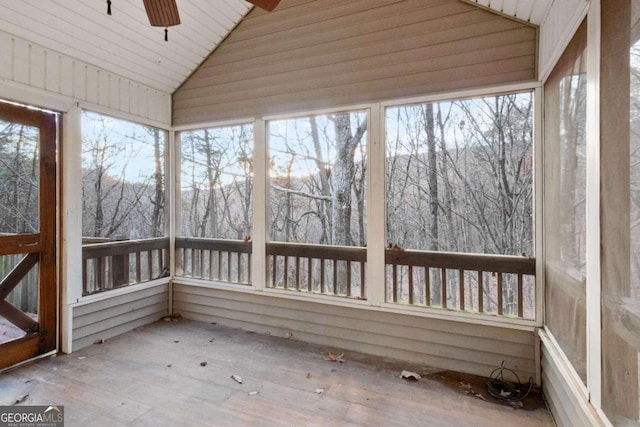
[{"x": 153, "y": 377}]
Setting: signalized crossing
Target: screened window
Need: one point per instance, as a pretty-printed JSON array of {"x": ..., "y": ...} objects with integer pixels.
[
  {"x": 317, "y": 190},
  {"x": 123, "y": 180},
  {"x": 459, "y": 178},
  {"x": 19, "y": 178},
  {"x": 565, "y": 201},
  {"x": 216, "y": 182},
  {"x": 459, "y": 175},
  {"x": 317, "y": 204},
  {"x": 216, "y": 204}
]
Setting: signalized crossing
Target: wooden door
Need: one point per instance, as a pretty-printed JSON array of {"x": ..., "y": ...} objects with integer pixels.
[{"x": 28, "y": 206}]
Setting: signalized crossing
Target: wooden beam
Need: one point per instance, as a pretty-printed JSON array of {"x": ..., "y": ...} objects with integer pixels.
[
  {"x": 17, "y": 274},
  {"x": 17, "y": 317}
]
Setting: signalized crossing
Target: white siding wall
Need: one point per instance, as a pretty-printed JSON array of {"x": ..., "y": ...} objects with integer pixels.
[
  {"x": 561, "y": 22},
  {"x": 30, "y": 68},
  {"x": 564, "y": 392},
  {"x": 113, "y": 316},
  {"x": 446, "y": 344}
]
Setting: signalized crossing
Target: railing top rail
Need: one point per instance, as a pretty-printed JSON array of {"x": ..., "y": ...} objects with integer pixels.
[
  {"x": 223, "y": 245},
  {"x": 100, "y": 250},
  {"x": 454, "y": 260},
  {"x": 305, "y": 250}
]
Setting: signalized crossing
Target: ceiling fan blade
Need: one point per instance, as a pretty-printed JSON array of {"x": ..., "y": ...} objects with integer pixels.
[
  {"x": 267, "y": 5},
  {"x": 162, "y": 13}
]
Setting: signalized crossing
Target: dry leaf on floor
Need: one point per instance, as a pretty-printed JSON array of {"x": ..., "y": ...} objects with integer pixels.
[
  {"x": 21, "y": 398},
  {"x": 308, "y": 375},
  {"x": 516, "y": 404},
  {"x": 99, "y": 341},
  {"x": 176, "y": 341},
  {"x": 203, "y": 363},
  {"x": 288, "y": 335},
  {"x": 140, "y": 328},
  {"x": 408, "y": 375},
  {"x": 474, "y": 394},
  {"x": 334, "y": 358},
  {"x": 212, "y": 340},
  {"x": 253, "y": 393},
  {"x": 465, "y": 385},
  {"x": 237, "y": 378},
  {"x": 169, "y": 365},
  {"x": 319, "y": 390},
  {"x": 82, "y": 357}
]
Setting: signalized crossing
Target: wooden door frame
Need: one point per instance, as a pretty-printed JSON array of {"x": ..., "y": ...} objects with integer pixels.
[{"x": 46, "y": 338}]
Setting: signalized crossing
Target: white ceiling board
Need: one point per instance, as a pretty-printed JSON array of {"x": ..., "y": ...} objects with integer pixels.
[
  {"x": 124, "y": 43},
  {"x": 533, "y": 11}
]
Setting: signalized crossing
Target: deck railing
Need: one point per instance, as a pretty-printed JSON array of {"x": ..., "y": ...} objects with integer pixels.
[
  {"x": 112, "y": 265},
  {"x": 494, "y": 284},
  {"x": 321, "y": 269},
  {"x": 214, "y": 259}
]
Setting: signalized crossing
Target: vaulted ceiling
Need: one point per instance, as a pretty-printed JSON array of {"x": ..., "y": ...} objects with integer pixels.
[{"x": 124, "y": 43}]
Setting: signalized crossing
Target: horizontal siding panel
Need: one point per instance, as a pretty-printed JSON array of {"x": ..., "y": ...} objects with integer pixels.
[
  {"x": 415, "y": 334},
  {"x": 118, "y": 310},
  {"x": 397, "y": 87},
  {"x": 459, "y": 328},
  {"x": 371, "y": 20},
  {"x": 108, "y": 318},
  {"x": 369, "y": 70},
  {"x": 132, "y": 323},
  {"x": 433, "y": 46},
  {"x": 106, "y": 303},
  {"x": 477, "y": 349},
  {"x": 321, "y": 53}
]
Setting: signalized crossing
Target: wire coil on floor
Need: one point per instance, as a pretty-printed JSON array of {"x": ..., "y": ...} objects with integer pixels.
[{"x": 505, "y": 390}]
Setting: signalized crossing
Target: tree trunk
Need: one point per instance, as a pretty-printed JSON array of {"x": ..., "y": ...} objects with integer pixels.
[{"x": 157, "y": 228}]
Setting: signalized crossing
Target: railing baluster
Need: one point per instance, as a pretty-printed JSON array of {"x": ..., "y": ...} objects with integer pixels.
[
  {"x": 211, "y": 264},
  {"x": 499, "y": 292},
  {"x": 274, "y": 262},
  {"x": 286, "y": 272},
  {"x": 520, "y": 297},
  {"x": 410, "y": 272},
  {"x": 219, "y": 265},
  {"x": 481, "y": 291},
  {"x": 149, "y": 264},
  {"x": 228, "y": 266},
  {"x": 394, "y": 273},
  {"x": 427, "y": 286},
  {"x": 443, "y": 284},
  {"x": 322, "y": 276},
  {"x": 362, "y": 280},
  {"x": 201, "y": 272},
  {"x": 348, "y": 278},
  {"x": 335, "y": 277},
  {"x": 461, "y": 284},
  {"x": 309, "y": 273},
  {"x": 298, "y": 273},
  {"x": 138, "y": 267},
  {"x": 249, "y": 281}
]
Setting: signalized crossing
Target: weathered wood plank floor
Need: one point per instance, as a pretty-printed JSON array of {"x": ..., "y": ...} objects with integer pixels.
[{"x": 154, "y": 377}]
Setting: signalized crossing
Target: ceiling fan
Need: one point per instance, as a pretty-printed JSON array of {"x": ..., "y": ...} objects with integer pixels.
[{"x": 164, "y": 13}]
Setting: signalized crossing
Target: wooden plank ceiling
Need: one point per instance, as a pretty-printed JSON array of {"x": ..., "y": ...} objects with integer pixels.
[
  {"x": 125, "y": 44},
  {"x": 533, "y": 11}
]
